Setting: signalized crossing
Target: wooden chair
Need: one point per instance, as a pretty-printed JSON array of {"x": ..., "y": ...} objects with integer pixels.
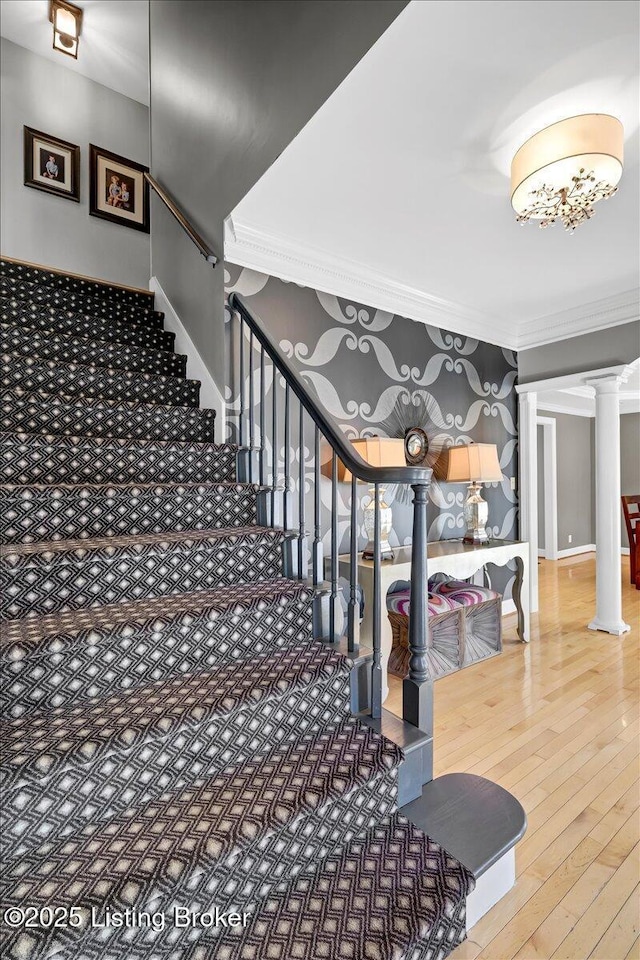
[{"x": 631, "y": 511}]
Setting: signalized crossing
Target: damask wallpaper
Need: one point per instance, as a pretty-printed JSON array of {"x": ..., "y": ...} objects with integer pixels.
[{"x": 359, "y": 361}]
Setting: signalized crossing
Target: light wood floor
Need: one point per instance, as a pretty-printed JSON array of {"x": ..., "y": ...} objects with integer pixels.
[{"x": 556, "y": 722}]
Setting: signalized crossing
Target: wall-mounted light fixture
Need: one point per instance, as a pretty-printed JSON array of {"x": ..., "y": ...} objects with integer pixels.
[{"x": 67, "y": 24}]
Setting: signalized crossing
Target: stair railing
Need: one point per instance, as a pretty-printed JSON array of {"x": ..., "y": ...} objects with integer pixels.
[
  {"x": 174, "y": 210},
  {"x": 417, "y": 686}
]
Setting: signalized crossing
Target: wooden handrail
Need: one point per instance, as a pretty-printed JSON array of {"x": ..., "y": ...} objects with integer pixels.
[{"x": 175, "y": 211}]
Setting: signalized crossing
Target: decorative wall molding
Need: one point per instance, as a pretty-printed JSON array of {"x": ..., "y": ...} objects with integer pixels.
[
  {"x": 308, "y": 266},
  {"x": 295, "y": 262},
  {"x": 586, "y": 318}
]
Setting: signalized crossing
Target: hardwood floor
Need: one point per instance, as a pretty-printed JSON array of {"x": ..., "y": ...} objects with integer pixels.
[{"x": 556, "y": 722}]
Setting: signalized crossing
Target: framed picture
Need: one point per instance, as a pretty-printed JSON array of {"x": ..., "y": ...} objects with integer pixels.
[
  {"x": 51, "y": 164},
  {"x": 118, "y": 189}
]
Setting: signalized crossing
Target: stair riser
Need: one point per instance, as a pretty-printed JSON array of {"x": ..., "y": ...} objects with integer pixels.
[
  {"x": 31, "y": 590},
  {"x": 35, "y": 413},
  {"x": 77, "y": 794},
  {"x": 68, "y": 381},
  {"x": 71, "y": 288},
  {"x": 53, "y": 320},
  {"x": 91, "y": 353},
  {"x": 52, "y": 460},
  {"x": 67, "y": 670},
  {"x": 79, "y": 513},
  {"x": 240, "y": 883}
]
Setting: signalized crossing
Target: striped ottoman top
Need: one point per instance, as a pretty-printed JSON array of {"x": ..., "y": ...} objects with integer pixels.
[
  {"x": 462, "y": 592},
  {"x": 438, "y": 603}
]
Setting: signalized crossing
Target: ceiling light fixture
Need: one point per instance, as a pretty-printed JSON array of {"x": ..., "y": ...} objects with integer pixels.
[
  {"x": 67, "y": 24},
  {"x": 562, "y": 171}
]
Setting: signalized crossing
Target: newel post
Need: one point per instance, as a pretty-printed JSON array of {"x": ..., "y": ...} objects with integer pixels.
[{"x": 417, "y": 689}]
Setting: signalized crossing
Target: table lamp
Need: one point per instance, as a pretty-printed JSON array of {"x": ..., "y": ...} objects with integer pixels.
[
  {"x": 475, "y": 463},
  {"x": 380, "y": 452}
]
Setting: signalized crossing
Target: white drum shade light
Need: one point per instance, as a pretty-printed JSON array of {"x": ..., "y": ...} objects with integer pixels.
[{"x": 562, "y": 171}]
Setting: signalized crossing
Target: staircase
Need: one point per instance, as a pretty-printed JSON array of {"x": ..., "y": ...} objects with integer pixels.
[{"x": 179, "y": 752}]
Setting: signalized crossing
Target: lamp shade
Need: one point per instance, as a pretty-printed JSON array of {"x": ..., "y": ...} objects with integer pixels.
[
  {"x": 378, "y": 451},
  {"x": 474, "y": 462}
]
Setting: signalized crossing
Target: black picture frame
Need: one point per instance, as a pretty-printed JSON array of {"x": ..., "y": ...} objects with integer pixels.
[
  {"x": 105, "y": 166},
  {"x": 51, "y": 165}
]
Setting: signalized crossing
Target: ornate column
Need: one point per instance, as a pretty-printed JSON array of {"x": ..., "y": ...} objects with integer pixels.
[
  {"x": 528, "y": 465},
  {"x": 608, "y": 541}
]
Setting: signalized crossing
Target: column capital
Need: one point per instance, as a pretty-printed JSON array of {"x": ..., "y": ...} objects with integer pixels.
[{"x": 610, "y": 384}]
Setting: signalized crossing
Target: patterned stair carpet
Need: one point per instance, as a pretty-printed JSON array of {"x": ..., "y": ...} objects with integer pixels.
[{"x": 179, "y": 752}]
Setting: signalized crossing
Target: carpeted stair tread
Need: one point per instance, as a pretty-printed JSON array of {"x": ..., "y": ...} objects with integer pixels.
[
  {"x": 100, "y": 353},
  {"x": 70, "y": 381},
  {"x": 44, "y": 513},
  {"x": 50, "y": 321},
  {"x": 60, "y": 659},
  {"x": 61, "y": 575},
  {"x": 38, "y": 745},
  {"x": 32, "y": 279},
  {"x": 55, "y": 458},
  {"x": 41, "y": 412},
  {"x": 51, "y": 633},
  {"x": 69, "y": 767},
  {"x": 224, "y": 830},
  {"x": 391, "y": 895}
]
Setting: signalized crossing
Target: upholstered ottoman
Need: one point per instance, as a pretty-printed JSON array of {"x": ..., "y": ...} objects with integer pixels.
[{"x": 465, "y": 626}]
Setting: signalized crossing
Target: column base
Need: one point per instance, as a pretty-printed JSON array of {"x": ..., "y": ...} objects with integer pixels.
[{"x": 617, "y": 628}]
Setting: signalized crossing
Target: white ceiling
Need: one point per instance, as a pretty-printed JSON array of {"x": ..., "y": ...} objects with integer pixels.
[
  {"x": 397, "y": 191},
  {"x": 114, "y": 43}
]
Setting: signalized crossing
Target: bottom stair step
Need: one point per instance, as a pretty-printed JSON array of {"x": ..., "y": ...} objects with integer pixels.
[
  {"x": 231, "y": 840},
  {"x": 61, "y": 659},
  {"x": 391, "y": 895}
]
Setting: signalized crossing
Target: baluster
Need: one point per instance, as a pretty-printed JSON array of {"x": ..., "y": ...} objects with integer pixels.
[
  {"x": 334, "y": 547},
  {"x": 287, "y": 452},
  {"x": 376, "y": 677},
  {"x": 301, "y": 495},
  {"x": 274, "y": 451},
  {"x": 251, "y": 404},
  {"x": 318, "y": 572},
  {"x": 241, "y": 421},
  {"x": 262, "y": 463},
  {"x": 417, "y": 688},
  {"x": 354, "y": 611}
]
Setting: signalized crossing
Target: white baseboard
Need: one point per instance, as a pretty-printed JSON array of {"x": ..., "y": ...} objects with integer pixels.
[
  {"x": 508, "y": 606},
  {"x": 542, "y": 552},
  {"x": 210, "y": 396},
  {"x": 573, "y": 551},
  {"x": 625, "y": 551}
]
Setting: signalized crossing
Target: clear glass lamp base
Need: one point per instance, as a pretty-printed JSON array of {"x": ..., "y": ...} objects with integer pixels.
[{"x": 476, "y": 514}]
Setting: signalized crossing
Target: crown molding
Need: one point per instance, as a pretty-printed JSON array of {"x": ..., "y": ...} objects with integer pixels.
[
  {"x": 587, "y": 318},
  {"x": 296, "y": 262},
  {"x": 308, "y": 266},
  {"x": 550, "y": 407}
]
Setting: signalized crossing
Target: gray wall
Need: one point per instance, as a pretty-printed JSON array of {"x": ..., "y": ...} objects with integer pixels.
[
  {"x": 603, "y": 348},
  {"x": 232, "y": 83},
  {"x": 629, "y": 459},
  {"x": 575, "y": 483},
  {"x": 52, "y": 230},
  {"x": 359, "y": 362}
]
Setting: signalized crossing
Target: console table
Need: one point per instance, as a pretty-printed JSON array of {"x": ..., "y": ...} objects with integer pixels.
[{"x": 452, "y": 557}]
